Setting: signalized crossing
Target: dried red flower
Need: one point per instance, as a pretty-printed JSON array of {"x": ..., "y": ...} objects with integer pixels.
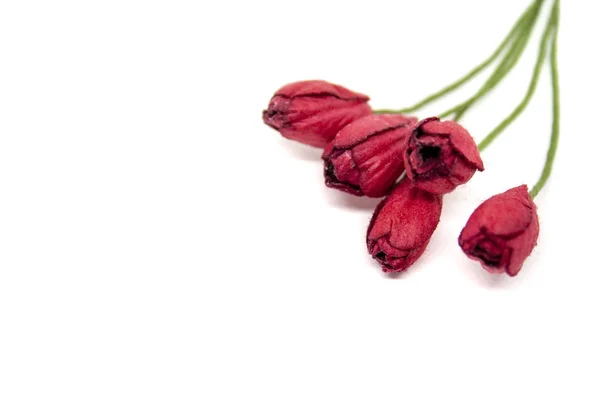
[
  {"x": 402, "y": 225},
  {"x": 313, "y": 112},
  {"x": 365, "y": 158},
  {"x": 440, "y": 156},
  {"x": 502, "y": 232}
]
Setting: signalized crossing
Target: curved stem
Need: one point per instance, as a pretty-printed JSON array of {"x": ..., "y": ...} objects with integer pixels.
[
  {"x": 503, "y": 68},
  {"x": 492, "y": 81},
  {"x": 530, "y": 90},
  {"x": 555, "y": 108},
  {"x": 474, "y": 72}
]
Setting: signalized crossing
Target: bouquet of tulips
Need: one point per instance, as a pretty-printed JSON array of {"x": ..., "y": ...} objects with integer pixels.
[{"x": 415, "y": 162}]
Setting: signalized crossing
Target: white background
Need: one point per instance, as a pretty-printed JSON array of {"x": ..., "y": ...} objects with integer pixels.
[{"x": 157, "y": 241}]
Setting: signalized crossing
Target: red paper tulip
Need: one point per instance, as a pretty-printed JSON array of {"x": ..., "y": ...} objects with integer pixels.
[
  {"x": 402, "y": 225},
  {"x": 365, "y": 158},
  {"x": 440, "y": 156},
  {"x": 502, "y": 232},
  {"x": 313, "y": 112}
]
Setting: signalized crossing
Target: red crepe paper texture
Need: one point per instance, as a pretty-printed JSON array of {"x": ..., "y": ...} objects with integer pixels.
[
  {"x": 502, "y": 232},
  {"x": 313, "y": 112},
  {"x": 402, "y": 225},
  {"x": 440, "y": 155},
  {"x": 365, "y": 158}
]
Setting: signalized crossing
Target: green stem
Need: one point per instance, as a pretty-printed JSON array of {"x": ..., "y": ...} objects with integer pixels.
[
  {"x": 516, "y": 29},
  {"x": 503, "y": 69},
  {"x": 530, "y": 91},
  {"x": 510, "y": 60},
  {"x": 555, "y": 108}
]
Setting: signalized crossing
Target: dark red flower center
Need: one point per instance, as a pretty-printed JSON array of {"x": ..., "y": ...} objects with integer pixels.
[
  {"x": 429, "y": 152},
  {"x": 431, "y": 157},
  {"x": 341, "y": 173},
  {"x": 276, "y": 115},
  {"x": 330, "y": 170},
  {"x": 389, "y": 263},
  {"x": 489, "y": 252}
]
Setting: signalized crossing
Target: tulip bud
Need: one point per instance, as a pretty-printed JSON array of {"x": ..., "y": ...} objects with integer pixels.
[
  {"x": 402, "y": 225},
  {"x": 313, "y": 112},
  {"x": 365, "y": 158},
  {"x": 440, "y": 156},
  {"x": 502, "y": 232}
]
